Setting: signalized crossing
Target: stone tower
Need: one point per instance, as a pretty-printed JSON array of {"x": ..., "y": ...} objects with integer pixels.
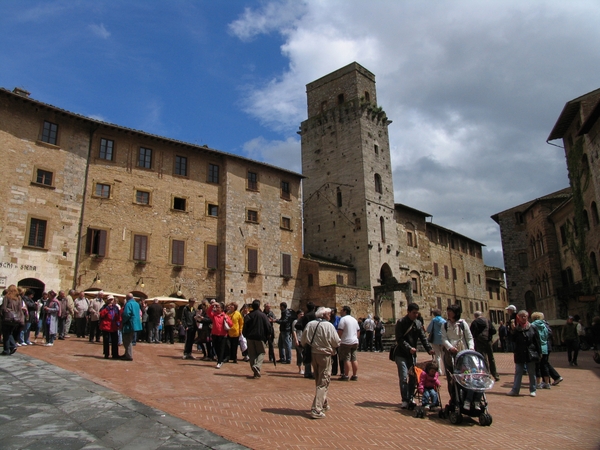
[{"x": 348, "y": 192}]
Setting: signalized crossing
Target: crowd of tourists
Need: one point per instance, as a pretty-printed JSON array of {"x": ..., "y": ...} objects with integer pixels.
[{"x": 325, "y": 343}]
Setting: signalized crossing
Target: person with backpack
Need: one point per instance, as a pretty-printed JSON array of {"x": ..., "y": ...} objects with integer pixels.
[{"x": 483, "y": 332}]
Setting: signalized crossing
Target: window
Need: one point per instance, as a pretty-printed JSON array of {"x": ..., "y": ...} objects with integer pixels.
[
  {"x": 177, "y": 252},
  {"x": 586, "y": 220},
  {"x": 446, "y": 272},
  {"x": 415, "y": 285},
  {"x": 519, "y": 218},
  {"x": 563, "y": 235},
  {"x": 252, "y": 260},
  {"x": 340, "y": 99},
  {"x": 102, "y": 190},
  {"x": 285, "y": 190},
  {"x": 357, "y": 225},
  {"x": 286, "y": 265},
  {"x": 212, "y": 210},
  {"x": 286, "y": 223},
  {"x": 44, "y": 177},
  {"x": 106, "y": 149},
  {"x": 382, "y": 228},
  {"x": 95, "y": 243},
  {"x": 212, "y": 256},
  {"x": 37, "y": 233},
  {"x": 140, "y": 247},
  {"x": 479, "y": 278},
  {"x": 145, "y": 158},
  {"x": 367, "y": 97},
  {"x": 468, "y": 277},
  {"x": 376, "y": 148},
  {"x": 339, "y": 198},
  {"x": 409, "y": 239},
  {"x": 491, "y": 293},
  {"x": 142, "y": 197},
  {"x": 595, "y": 218},
  {"x": 180, "y": 203},
  {"x": 311, "y": 280},
  {"x": 339, "y": 279},
  {"x": 213, "y": 173},
  {"x": 50, "y": 133},
  {"x": 181, "y": 165},
  {"x": 454, "y": 274},
  {"x": 378, "y": 185},
  {"x": 436, "y": 269},
  {"x": 252, "y": 216},
  {"x": 252, "y": 181},
  {"x": 439, "y": 303},
  {"x": 523, "y": 260},
  {"x": 594, "y": 263}
]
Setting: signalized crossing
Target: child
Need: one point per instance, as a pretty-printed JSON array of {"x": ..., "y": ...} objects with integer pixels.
[
  {"x": 428, "y": 384},
  {"x": 472, "y": 397},
  {"x": 181, "y": 331}
]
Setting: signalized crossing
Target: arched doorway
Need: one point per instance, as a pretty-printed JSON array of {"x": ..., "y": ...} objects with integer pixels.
[{"x": 34, "y": 284}]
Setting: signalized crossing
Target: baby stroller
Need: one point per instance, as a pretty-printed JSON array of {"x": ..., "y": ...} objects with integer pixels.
[{"x": 468, "y": 383}]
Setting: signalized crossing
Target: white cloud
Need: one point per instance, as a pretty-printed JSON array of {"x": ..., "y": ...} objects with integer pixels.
[
  {"x": 473, "y": 88},
  {"x": 99, "y": 30},
  {"x": 285, "y": 154}
]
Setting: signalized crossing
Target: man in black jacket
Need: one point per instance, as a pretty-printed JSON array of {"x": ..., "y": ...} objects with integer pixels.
[
  {"x": 408, "y": 331},
  {"x": 257, "y": 330},
  {"x": 483, "y": 332},
  {"x": 309, "y": 316},
  {"x": 285, "y": 334},
  {"x": 189, "y": 323}
]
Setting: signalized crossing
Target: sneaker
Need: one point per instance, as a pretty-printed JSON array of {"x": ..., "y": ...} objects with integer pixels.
[
  {"x": 18, "y": 345},
  {"x": 317, "y": 414},
  {"x": 246, "y": 358},
  {"x": 477, "y": 406},
  {"x": 48, "y": 345},
  {"x": 532, "y": 394},
  {"x": 512, "y": 394},
  {"x": 218, "y": 366},
  {"x": 344, "y": 378},
  {"x": 539, "y": 386},
  {"x": 497, "y": 378},
  {"x": 555, "y": 383},
  {"x": 326, "y": 407},
  {"x": 546, "y": 386},
  {"x": 301, "y": 372},
  {"x": 404, "y": 405},
  {"x": 467, "y": 405},
  {"x": 426, "y": 407},
  {"x": 29, "y": 343},
  {"x": 256, "y": 371},
  {"x": 354, "y": 378}
]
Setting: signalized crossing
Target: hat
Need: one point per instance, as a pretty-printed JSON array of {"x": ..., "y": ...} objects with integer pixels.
[
  {"x": 511, "y": 307},
  {"x": 110, "y": 297}
]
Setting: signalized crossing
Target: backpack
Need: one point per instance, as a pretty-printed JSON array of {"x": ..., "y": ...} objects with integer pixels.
[{"x": 293, "y": 316}]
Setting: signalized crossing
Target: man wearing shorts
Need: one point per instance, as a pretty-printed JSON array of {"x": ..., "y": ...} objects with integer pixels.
[{"x": 349, "y": 332}]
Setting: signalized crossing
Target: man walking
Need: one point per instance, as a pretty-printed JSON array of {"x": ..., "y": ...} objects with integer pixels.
[
  {"x": 483, "y": 332},
  {"x": 408, "y": 331},
  {"x": 322, "y": 336},
  {"x": 256, "y": 331},
  {"x": 81, "y": 310},
  {"x": 155, "y": 312},
  {"x": 349, "y": 333},
  {"x": 271, "y": 316},
  {"x": 308, "y": 317},
  {"x": 284, "y": 342},
  {"x": 188, "y": 321},
  {"x": 369, "y": 327},
  {"x": 130, "y": 324}
]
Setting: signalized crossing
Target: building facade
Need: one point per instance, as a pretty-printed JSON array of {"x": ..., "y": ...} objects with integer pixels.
[{"x": 94, "y": 205}]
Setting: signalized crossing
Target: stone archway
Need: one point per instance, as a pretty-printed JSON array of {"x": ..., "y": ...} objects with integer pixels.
[
  {"x": 389, "y": 285},
  {"x": 34, "y": 284}
]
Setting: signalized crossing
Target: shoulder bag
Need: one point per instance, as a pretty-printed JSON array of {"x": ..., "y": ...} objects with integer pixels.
[
  {"x": 393, "y": 348},
  {"x": 307, "y": 350}
]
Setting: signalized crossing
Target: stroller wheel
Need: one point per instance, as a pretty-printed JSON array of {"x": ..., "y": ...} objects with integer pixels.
[
  {"x": 411, "y": 406},
  {"x": 488, "y": 419},
  {"x": 442, "y": 414},
  {"x": 419, "y": 412},
  {"x": 455, "y": 418},
  {"x": 483, "y": 420}
]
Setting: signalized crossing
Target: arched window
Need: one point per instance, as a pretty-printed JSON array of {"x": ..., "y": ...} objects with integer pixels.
[
  {"x": 541, "y": 243},
  {"x": 415, "y": 282},
  {"x": 367, "y": 96},
  {"x": 586, "y": 220},
  {"x": 533, "y": 248},
  {"x": 595, "y": 218},
  {"x": 382, "y": 228},
  {"x": 378, "y": 185},
  {"x": 594, "y": 263}
]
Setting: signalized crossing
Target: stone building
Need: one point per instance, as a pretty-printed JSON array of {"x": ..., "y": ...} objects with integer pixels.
[
  {"x": 95, "y": 205},
  {"x": 551, "y": 244},
  {"x": 497, "y": 294},
  {"x": 350, "y": 217}
]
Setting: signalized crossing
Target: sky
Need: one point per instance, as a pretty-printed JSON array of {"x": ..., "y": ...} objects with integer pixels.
[{"x": 473, "y": 87}]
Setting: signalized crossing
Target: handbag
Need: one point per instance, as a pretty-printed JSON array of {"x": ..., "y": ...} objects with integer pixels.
[
  {"x": 534, "y": 356},
  {"x": 10, "y": 316},
  {"x": 226, "y": 325},
  {"x": 307, "y": 353}
]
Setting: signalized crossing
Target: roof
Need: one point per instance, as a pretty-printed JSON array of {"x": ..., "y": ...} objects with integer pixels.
[
  {"x": 327, "y": 262},
  {"x": 570, "y": 110},
  {"x": 23, "y": 95},
  {"x": 452, "y": 232},
  {"x": 564, "y": 193},
  {"x": 421, "y": 213}
]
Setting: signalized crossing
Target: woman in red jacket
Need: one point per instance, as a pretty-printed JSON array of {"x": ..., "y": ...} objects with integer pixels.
[
  {"x": 110, "y": 320},
  {"x": 221, "y": 323}
]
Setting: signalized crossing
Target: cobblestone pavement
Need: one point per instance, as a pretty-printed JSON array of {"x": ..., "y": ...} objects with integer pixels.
[{"x": 272, "y": 412}]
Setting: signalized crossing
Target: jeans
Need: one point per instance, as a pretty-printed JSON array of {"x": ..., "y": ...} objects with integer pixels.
[
  {"x": 24, "y": 336},
  {"x": 8, "y": 337},
  {"x": 430, "y": 397},
  {"x": 154, "y": 333},
  {"x": 572, "y": 350},
  {"x": 519, "y": 370},
  {"x": 407, "y": 384},
  {"x": 285, "y": 346}
]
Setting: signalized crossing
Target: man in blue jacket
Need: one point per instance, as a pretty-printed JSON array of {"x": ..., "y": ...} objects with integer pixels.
[{"x": 131, "y": 322}]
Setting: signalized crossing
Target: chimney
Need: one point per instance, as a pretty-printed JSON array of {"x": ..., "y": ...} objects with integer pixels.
[{"x": 21, "y": 92}]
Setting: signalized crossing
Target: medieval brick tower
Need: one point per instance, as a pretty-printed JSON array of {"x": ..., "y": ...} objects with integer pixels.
[{"x": 348, "y": 192}]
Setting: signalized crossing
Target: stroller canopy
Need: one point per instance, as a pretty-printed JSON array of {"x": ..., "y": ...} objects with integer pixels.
[{"x": 471, "y": 371}]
